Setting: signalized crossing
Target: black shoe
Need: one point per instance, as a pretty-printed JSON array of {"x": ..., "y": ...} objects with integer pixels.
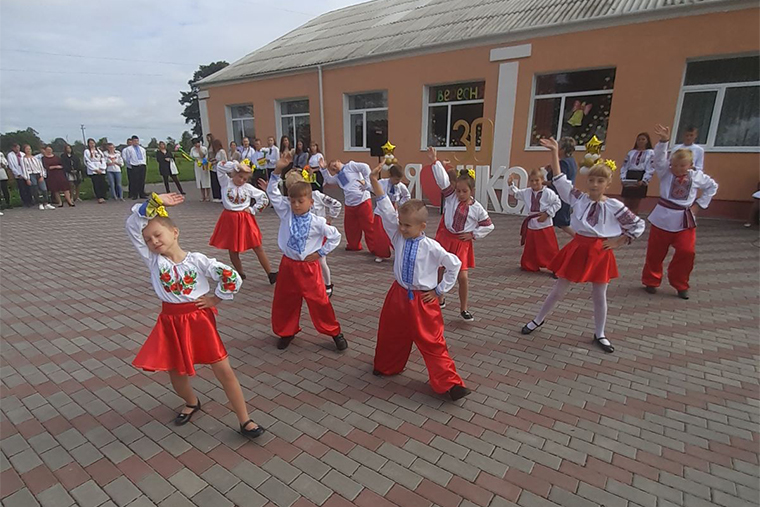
[
  {"x": 554, "y": 275},
  {"x": 272, "y": 278},
  {"x": 377, "y": 373},
  {"x": 458, "y": 392},
  {"x": 340, "y": 342},
  {"x": 650, "y": 290},
  {"x": 254, "y": 433},
  {"x": 683, "y": 294},
  {"x": 185, "y": 418},
  {"x": 467, "y": 316},
  {"x": 442, "y": 303},
  {"x": 284, "y": 342},
  {"x": 527, "y": 330},
  {"x": 329, "y": 290},
  {"x": 607, "y": 348},
  {"x": 134, "y": 198}
]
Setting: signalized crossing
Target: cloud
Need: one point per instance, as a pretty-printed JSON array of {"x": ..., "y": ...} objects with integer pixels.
[{"x": 105, "y": 105}]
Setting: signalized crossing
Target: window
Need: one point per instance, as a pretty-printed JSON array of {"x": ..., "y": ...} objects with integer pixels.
[
  {"x": 294, "y": 121},
  {"x": 574, "y": 104},
  {"x": 242, "y": 122},
  {"x": 721, "y": 98},
  {"x": 366, "y": 120},
  {"x": 446, "y": 105}
]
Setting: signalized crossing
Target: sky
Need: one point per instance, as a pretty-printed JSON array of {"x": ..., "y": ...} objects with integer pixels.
[{"x": 118, "y": 66}]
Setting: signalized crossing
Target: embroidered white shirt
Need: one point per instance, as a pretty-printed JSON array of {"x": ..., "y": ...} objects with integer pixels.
[
  {"x": 32, "y": 165},
  {"x": 245, "y": 197},
  {"x": 477, "y": 222},
  {"x": 114, "y": 161},
  {"x": 273, "y": 155},
  {"x": 324, "y": 205},
  {"x": 353, "y": 178},
  {"x": 400, "y": 193},
  {"x": 638, "y": 161},
  {"x": 549, "y": 203},
  {"x": 95, "y": 161},
  {"x": 16, "y": 164},
  {"x": 134, "y": 158}
]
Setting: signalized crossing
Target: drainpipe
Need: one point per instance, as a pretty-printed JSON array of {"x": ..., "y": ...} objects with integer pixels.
[{"x": 321, "y": 109}]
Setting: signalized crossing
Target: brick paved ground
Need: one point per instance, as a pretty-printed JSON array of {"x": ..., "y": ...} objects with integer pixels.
[{"x": 669, "y": 419}]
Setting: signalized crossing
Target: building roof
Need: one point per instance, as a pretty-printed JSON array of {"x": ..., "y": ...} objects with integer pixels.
[{"x": 382, "y": 28}]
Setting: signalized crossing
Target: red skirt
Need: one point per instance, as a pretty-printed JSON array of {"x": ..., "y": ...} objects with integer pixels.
[
  {"x": 57, "y": 181},
  {"x": 182, "y": 337},
  {"x": 584, "y": 260},
  {"x": 236, "y": 231},
  {"x": 452, "y": 244}
]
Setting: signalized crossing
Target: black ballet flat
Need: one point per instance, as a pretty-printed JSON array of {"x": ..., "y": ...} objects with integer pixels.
[
  {"x": 272, "y": 278},
  {"x": 458, "y": 392},
  {"x": 284, "y": 341},
  {"x": 650, "y": 289},
  {"x": 607, "y": 348},
  {"x": 527, "y": 330},
  {"x": 683, "y": 294},
  {"x": 254, "y": 433},
  {"x": 340, "y": 342},
  {"x": 182, "y": 419}
]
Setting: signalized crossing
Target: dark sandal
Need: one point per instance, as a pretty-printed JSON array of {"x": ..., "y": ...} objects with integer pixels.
[
  {"x": 527, "y": 330},
  {"x": 185, "y": 418},
  {"x": 254, "y": 433}
]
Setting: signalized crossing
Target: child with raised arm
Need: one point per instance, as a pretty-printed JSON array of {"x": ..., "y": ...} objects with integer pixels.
[
  {"x": 411, "y": 313},
  {"x": 464, "y": 220},
  {"x": 302, "y": 241},
  {"x": 236, "y": 230},
  {"x": 537, "y": 230},
  {"x": 601, "y": 224},
  {"x": 672, "y": 220},
  {"x": 398, "y": 194},
  {"x": 353, "y": 178},
  {"x": 185, "y": 333}
]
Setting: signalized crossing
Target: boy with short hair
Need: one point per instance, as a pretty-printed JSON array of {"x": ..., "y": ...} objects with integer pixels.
[
  {"x": 300, "y": 239},
  {"x": 411, "y": 313},
  {"x": 398, "y": 194},
  {"x": 689, "y": 143}
]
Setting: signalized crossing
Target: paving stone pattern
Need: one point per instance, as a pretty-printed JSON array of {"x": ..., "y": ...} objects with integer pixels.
[{"x": 671, "y": 419}]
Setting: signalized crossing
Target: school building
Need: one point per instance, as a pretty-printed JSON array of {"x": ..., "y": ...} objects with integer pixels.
[{"x": 408, "y": 70}]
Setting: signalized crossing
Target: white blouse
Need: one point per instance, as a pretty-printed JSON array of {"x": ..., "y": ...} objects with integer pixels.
[
  {"x": 543, "y": 201},
  {"x": 353, "y": 178},
  {"x": 428, "y": 255},
  {"x": 272, "y": 155},
  {"x": 314, "y": 237},
  {"x": 324, "y": 205},
  {"x": 114, "y": 162},
  {"x": 399, "y": 196},
  {"x": 184, "y": 281},
  {"x": 239, "y": 198},
  {"x": 638, "y": 161},
  {"x": 477, "y": 220},
  {"x": 604, "y": 219},
  {"x": 32, "y": 165},
  {"x": 314, "y": 160},
  {"x": 679, "y": 191},
  {"x": 95, "y": 161}
]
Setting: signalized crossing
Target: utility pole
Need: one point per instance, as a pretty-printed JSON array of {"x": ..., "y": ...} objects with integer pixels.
[{"x": 84, "y": 138}]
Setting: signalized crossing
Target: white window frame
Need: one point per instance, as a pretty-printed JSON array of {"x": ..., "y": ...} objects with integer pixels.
[
  {"x": 279, "y": 116},
  {"x": 564, "y": 97},
  {"x": 231, "y": 121},
  {"x": 347, "y": 119},
  {"x": 426, "y": 114},
  {"x": 720, "y": 88}
]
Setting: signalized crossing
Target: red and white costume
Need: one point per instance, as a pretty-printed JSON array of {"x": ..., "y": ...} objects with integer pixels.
[
  {"x": 459, "y": 217},
  {"x": 183, "y": 335},
  {"x": 237, "y": 230},
  {"x": 538, "y": 237},
  {"x": 405, "y": 318},
  {"x": 673, "y": 223},
  {"x": 353, "y": 178},
  {"x": 326, "y": 207},
  {"x": 398, "y": 195},
  {"x": 584, "y": 259},
  {"x": 300, "y": 236}
]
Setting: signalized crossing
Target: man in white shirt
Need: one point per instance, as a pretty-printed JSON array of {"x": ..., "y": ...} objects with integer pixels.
[
  {"x": 247, "y": 151},
  {"x": 689, "y": 138},
  {"x": 14, "y": 162},
  {"x": 258, "y": 162},
  {"x": 273, "y": 155},
  {"x": 137, "y": 158},
  {"x": 130, "y": 178}
]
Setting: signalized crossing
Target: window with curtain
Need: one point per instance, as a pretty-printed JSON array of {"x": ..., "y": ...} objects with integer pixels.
[
  {"x": 294, "y": 121},
  {"x": 367, "y": 119}
]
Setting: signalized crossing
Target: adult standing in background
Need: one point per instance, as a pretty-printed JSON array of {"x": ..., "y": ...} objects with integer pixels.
[
  {"x": 636, "y": 172},
  {"x": 114, "y": 161},
  {"x": 72, "y": 166},
  {"x": 285, "y": 147},
  {"x": 272, "y": 155},
  {"x": 165, "y": 158},
  {"x": 6, "y": 195},
  {"x": 56, "y": 180},
  {"x": 130, "y": 177},
  {"x": 234, "y": 153},
  {"x": 138, "y": 159},
  {"x": 248, "y": 152},
  {"x": 216, "y": 155},
  {"x": 34, "y": 176},
  {"x": 95, "y": 161},
  {"x": 199, "y": 154},
  {"x": 314, "y": 158},
  {"x": 258, "y": 163},
  {"x": 15, "y": 162},
  {"x": 301, "y": 158}
]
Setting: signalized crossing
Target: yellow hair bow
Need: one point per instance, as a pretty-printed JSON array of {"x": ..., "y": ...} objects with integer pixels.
[
  {"x": 611, "y": 164},
  {"x": 246, "y": 161},
  {"x": 155, "y": 207},
  {"x": 468, "y": 172}
]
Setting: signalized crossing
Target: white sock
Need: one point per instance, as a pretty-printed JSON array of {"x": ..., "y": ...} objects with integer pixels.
[
  {"x": 325, "y": 270},
  {"x": 559, "y": 289},
  {"x": 599, "y": 295}
]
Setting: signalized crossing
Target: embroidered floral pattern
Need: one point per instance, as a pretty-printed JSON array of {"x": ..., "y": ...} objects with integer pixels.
[
  {"x": 233, "y": 196},
  {"x": 179, "y": 285},
  {"x": 680, "y": 187},
  {"x": 229, "y": 279}
]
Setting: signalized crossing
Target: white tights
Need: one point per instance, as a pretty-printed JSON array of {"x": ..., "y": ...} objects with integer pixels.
[
  {"x": 598, "y": 294},
  {"x": 325, "y": 269}
]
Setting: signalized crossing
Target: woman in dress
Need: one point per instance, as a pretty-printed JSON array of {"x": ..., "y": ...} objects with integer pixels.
[
  {"x": 199, "y": 154},
  {"x": 72, "y": 166},
  {"x": 95, "y": 161},
  {"x": 164, "y": 158},
  {"x": 56, "y": 180},
  {"x": 636, "y": 172}
]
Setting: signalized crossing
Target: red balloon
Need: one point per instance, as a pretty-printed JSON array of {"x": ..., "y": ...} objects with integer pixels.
[{"x": 430, "y": 188}]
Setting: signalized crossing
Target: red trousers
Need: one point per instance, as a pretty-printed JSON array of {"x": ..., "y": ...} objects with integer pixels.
[
  {"x": 298, "y": 281},
  {"x": 404, "y": 321},
  {"x": 382, "y": 243},
  {"x": 359, "y": 219},
  {"x": 540, "y": 249},
  {"x": 680, "y": 266}
]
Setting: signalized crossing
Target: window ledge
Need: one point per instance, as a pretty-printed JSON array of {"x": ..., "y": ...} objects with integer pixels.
[
  {"x": 738, "y": 149},
  {"x": 453, "y": 148},
  {"x": 356, "y": 149}
]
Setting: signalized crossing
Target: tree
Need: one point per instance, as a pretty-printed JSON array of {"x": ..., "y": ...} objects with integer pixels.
[
  {"x": 192, "y": 112},
  {"x": 103, "y": 141},
  {"x": 153, "y": 144},
  {"x": 58, "y": 144},
  {"x": 78, "y": 147},
  {"x": 22, "y": 137},
  {"x": 170, "y": 143},
  {"x": 187, "y": 141}
]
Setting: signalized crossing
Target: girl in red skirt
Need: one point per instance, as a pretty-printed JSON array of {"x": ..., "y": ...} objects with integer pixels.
[
  {"x": 464, "y": 220},
  {"x": 537, "y": 231},
  {"x": 185, "y": 333},
  {"x": 237, "y": 230},
  {"x": 601, "y": 224}
]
